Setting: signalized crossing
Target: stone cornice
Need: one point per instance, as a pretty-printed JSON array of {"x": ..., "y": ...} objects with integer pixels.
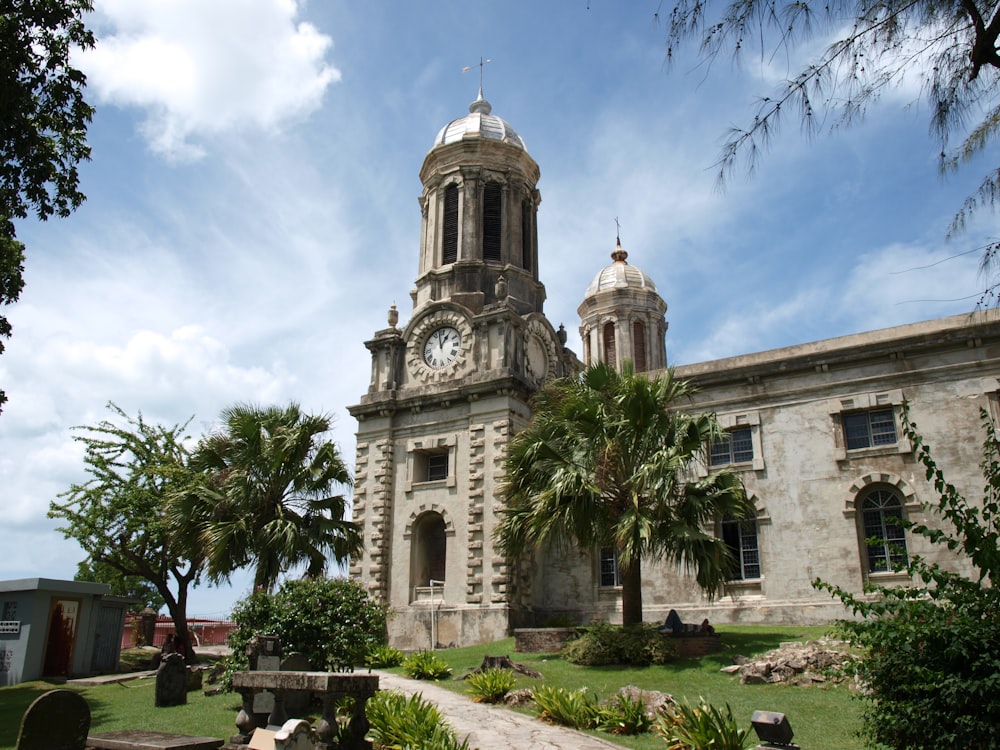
[
  {"x": 956, "y": 333},
  {"x": 473, "y": 387}
]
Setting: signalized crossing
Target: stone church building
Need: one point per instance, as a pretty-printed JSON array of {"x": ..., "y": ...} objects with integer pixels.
[{"x": 813, "y": 430}]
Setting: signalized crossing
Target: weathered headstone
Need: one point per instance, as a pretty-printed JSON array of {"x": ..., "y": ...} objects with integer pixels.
[
  {"x": 57, "y": 720},
  {"x": 267, "y": 647},
  {"x": 171, "y": 681},
  {"x": 296, "y": 701},
  {"x": 264, "y": 653}
]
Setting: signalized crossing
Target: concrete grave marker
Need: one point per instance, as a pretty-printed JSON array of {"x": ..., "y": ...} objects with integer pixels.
[
  {"x": 171, "y": 681},
  {"x": 264, "y": 653},
  {"x": 57, "y": 720}
]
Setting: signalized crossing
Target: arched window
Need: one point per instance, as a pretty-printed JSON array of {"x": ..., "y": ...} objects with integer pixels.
[
  {"x": 449, "y": 232},
  {"x": 492, "y": 221},
  {"x": 429, "y": 549},
  {"x": 610, "y": 347},
  {"x": 883, "y": 534},
  {"x": 639, "y": 346},
  {"x": 741, "y": 538}
]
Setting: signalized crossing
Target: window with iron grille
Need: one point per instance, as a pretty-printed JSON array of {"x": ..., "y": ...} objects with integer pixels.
[
  {"x": 869, "y": 429},
  {"x": 735, "y": 447},
  {"x": 741, "y": 538},
  {"x": 609, "y": 568},
  {"x": 437, "y": 466},
  {"x": 885, "y": 538},
  {"x": 449, "y": 233},
  {"x": 492, "y": 221}
]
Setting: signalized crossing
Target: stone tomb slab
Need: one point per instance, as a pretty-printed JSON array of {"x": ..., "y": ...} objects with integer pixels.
[{"x": 138, "y": 740}]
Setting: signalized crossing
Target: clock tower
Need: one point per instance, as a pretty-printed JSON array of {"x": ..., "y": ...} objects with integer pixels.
[{"x": 448, "y": 390}]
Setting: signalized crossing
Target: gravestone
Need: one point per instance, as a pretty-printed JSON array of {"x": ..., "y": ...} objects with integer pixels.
[
  {"x": 266, "y": 647},
  {"x": 171, "y": 681},
  {"x": 57, "y": 720},
  {"x": 264, "y": 653},
  {"x": 297, "y": 701}
]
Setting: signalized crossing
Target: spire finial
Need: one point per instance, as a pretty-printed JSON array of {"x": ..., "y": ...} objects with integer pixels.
[
  {"x": 618, "y": 255},
  {"x": 483, "y": 62}
]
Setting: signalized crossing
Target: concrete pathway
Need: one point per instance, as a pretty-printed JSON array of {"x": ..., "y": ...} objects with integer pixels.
[{"x": 494, "y": 727}]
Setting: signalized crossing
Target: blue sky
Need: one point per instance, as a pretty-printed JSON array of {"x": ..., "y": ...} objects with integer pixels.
[{"x": 252, "y": 212}]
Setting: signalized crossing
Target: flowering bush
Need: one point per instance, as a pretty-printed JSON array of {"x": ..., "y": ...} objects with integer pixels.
[{"x": 332, "y": 621}]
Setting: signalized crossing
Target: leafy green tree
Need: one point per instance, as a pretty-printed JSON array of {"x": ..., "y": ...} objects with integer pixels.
[
  {"x": 266, "y": 499},
  {"x": 950, "y": 48},
  {"x": 604, "y": 464},
  {"x": 330, "y": 620},
  {"x": 132, "y": 587},
  {"x": 931, "y": 650},
  {"x": 43, "y": 124},
  {"x": 119, "y": 516}
]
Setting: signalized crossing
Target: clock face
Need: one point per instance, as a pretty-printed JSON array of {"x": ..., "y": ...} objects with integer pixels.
[
  {"x": 538, "y": 358},
  {"x": 442, "y": 346}
]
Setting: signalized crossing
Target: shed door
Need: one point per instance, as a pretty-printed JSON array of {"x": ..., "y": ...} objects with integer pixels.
[{"x": 62, "y": 637}]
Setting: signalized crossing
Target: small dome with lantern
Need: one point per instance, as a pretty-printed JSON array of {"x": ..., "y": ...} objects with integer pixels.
[
  {"x": 622, "y": 317},
  {"x": 619, "y": 275}
]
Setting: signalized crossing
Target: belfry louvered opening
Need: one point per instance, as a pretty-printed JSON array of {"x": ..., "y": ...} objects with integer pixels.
[
  {"x": 492, "y": 221},
  {"x": 449, "y": 235},
  {"x": 526, "y": 235}
]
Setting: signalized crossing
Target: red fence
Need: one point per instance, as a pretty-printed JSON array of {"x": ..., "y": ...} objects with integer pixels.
[{"x": 203, "y": 632}]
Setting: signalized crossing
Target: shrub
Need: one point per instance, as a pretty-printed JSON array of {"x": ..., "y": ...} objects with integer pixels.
[
  {"x": 931, "y": 650},
  {"x": 604, "y": 644},
  {"x": 701, "y": 727},
  {"x": 624, "y": 714},
  {"x": 571, "y": 708},
  {"x": 330, "y": 620},
  {"x": 382, "y": 656},
  {"x": 425, "y": 665},
  {"x": 400, "y": 722},
  {"x": 490, "y": 685}
]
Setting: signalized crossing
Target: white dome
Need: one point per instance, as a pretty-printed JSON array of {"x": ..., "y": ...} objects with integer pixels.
[
  {"x": 479, "y": 123},
  {"x": 619, "y": 275}
]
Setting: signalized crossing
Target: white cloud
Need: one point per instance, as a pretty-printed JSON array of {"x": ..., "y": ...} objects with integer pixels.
[
  {"x": 901, "y": 283},
  {"x": 889, "y": 286},
  {"x": 202, "y": 68}
]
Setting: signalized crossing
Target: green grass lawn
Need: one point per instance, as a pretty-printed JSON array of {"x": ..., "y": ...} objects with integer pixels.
[
  {"x": 127, "y": 705},
  {"x": 824, "y": 718}
]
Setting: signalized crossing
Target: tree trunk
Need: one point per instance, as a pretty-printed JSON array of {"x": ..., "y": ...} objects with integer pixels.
[
  {"x": 504, "y": 662},
  {"x": 178, "y": 613},
  {"x": 177, "y": 607},
  {"x": 631, "y": 578}
]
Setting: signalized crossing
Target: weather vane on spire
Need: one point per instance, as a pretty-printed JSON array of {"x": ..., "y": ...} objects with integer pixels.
[{"x": 482, "y": 64}]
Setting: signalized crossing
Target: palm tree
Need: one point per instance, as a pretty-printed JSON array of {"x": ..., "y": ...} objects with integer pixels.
[
  {"x": 266, "y": 495},
  {"x": 604, "y": 463}
]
